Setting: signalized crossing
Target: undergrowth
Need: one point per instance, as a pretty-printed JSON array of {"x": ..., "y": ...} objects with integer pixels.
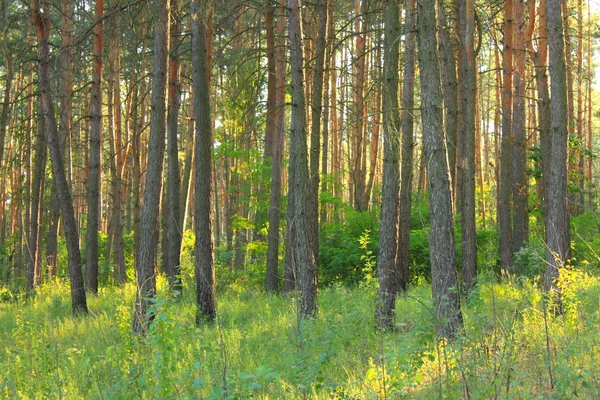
[{"x": 510, "y": 347}]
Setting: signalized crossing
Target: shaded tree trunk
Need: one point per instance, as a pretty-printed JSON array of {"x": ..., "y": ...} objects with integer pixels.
[
  {"x": 388, "y": 233},
  {"x": 173, "y": 210},
  {"x": 467, "y": 170},
  {"x": 303, "y": 255},
  {"x": 205, "y": 272},
  {"x": 78, "y": 298},
  {"x": 408, "y": 145},
  {"x": 557, "y": 217},
  {"x": 441, "y": 238},
  {"x": 505, "y": 184},
  {"x": 146, "y": 259},
  {"x": 519, "y": 148},
  {"x": 93, "y": 183}
]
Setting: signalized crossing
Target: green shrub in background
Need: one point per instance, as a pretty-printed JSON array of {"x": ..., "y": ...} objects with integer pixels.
[{"x": 339, "y": 248}]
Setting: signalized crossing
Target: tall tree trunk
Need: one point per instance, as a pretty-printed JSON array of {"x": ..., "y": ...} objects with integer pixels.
[
  {"x": 315, "y": 134},
  {"x": 540, "y": 60},
  {"x": 558, "y": 248},
  {"x": 305, "y": 262},
  {"x": 205, "y": 272},
  {"x": 388, "y": 233},
  {"x": 519, "y": 148},
  {"x": 174, "y": 232},
  {"x": 469, "y": 104},
  {"x": 505, "y": 184},
  {"x": 36, "y": 204},
  {"x": 146, "y": 259},
  {"x": 450, "y": 93},
  {"x": 278, "y": 76},
  {"x": 441, "y": 238},
  {"x": 408, "y": 144},
  {"x": 93, "y": 183},
  {"x": 42, "y": 24}
]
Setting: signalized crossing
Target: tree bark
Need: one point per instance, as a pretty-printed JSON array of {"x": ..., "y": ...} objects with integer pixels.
[
  {"x": 441, "y": 238},
  {"x": 205, "y": 272},
  {"x": 388, "y": 233},
  {"x": 469, "y": 103},
  {"x": 78, "y": 298},
  {"x": 173, "y": 210},
  {"x": 303, "y": 255},
  {"x": 408, "y": 144},
  {"x": 505, "y": 184},
  {"x": 519, "y": 148},
  {"x": 146, "y": 259},
  {"x": 558, "y": 248},
  {"x": 93, "y": 183},
  {"x": 278, "y": 76}
]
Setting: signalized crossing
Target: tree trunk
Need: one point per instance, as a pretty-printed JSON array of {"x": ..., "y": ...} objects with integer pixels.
[
  {"x": 469, "y": 103},
  {"x": 450, "y": 93},
  {"x": 146, "y": 259},
  {"x": 36, "y": 204},
  {"x": 93, "y": 183},
  {"x": 388, "y": 233},
  {"x": 205, "y": 272},
  {"x": 317, "y": 112},
  {"x": 505, "y": 184},
  {"x": 174, "y": 232},
  {"x": 408, "y": 145},
  {"x": 558, "y": 248},
  {"x": 441, "y": 238},
  {"x": 305, "y": 263},
  {"x": 78, "y": 298},
  {"x": 519, "y": 148},
  {"x": 278, "y": 76}
]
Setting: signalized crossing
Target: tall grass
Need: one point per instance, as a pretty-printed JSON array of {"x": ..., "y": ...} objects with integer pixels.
[{"x": 510, "y": 349}]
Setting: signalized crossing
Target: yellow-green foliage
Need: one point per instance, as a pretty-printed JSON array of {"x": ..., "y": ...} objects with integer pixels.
[{"x": 510, "y": 348}]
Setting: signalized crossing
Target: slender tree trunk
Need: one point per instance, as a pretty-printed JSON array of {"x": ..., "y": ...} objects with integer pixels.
[
  {"x": 408, "y": 145},
  {"x": 519, "y": 148},
  {"x": 388, "y": 233},
  {"x": 36, "y": 204},
  {"x": 278, "y": 55},
  {"x": 469, "y": 104},
  {"x": 558, "y": 249},
  {"x": 540, "y": 60},
  {"x": 42, "y": 24},
  {"x": 441, "y": 238},
  {"x": 450, "y": 93},
  {"x": 317, "y": 112},
  {"x": 146, "y": 259},
  {"x": 93, "y": 183},
  {"x": 305, "y": 262},
  {"x": 205, "y": 272},
  {"x": 505, "y": 184},
  {"x": 174, "y": 232}
]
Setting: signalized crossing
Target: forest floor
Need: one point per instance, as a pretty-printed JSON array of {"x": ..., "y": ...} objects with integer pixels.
[{"x": 510, "y": 348}]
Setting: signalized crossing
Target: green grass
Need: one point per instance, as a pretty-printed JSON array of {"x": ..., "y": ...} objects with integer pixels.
[{"x": 510, "y": 348}]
